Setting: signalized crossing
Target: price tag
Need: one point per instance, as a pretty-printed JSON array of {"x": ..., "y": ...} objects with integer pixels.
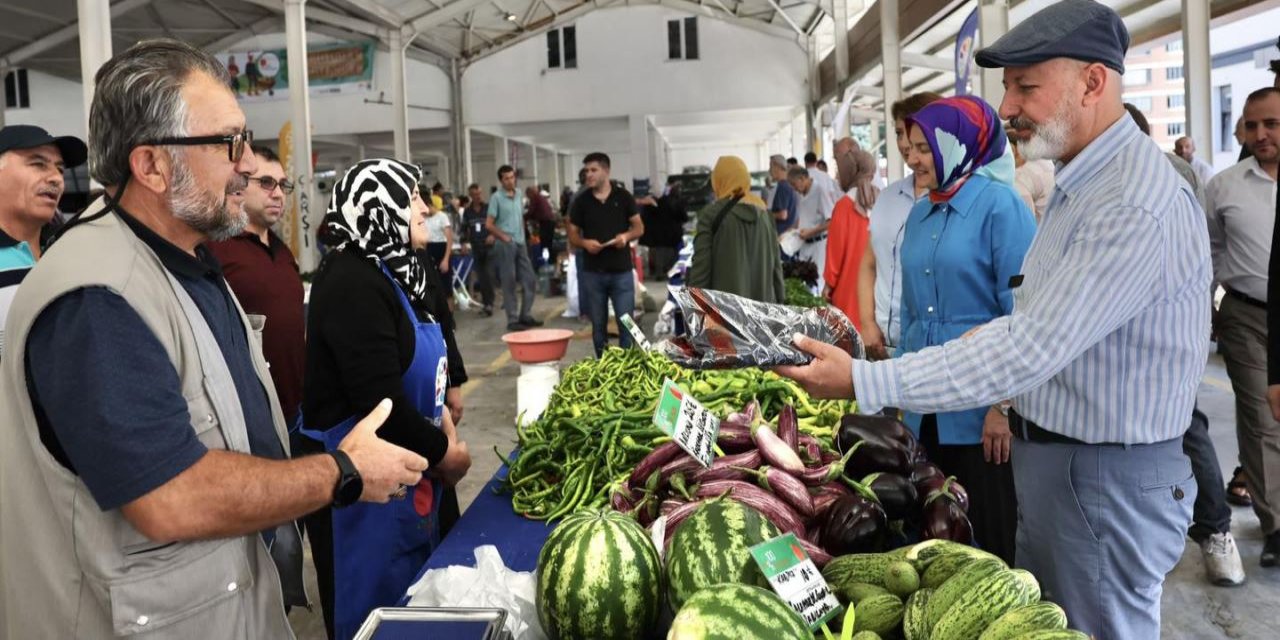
[
  {"x": 796, "y": 579},
  {"x": 691, "y": 425},
  {"x": 636, "y": 333}
]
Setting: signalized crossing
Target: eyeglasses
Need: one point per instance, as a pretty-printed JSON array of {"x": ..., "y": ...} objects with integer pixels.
[
  {"x": 236, "y": 143},
  {"x": 269, "y": 184}
]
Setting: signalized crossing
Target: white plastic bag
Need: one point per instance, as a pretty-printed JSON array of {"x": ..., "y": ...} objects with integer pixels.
[
  {"x": 489, "y": 584},
  {"x": 791, "y": 242},
  {"x": 572, "y": 309}
]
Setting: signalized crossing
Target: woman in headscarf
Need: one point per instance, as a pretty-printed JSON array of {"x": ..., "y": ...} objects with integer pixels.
[
  {"x": 735, "y": 247},
  {"x": 371, "y": 334},
  {"x": 961, "y": 249},
  {"x": 849, "y": 233}
]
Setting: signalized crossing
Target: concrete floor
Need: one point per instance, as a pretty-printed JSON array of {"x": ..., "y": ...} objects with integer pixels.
[{"x": 1192, "y": 610}]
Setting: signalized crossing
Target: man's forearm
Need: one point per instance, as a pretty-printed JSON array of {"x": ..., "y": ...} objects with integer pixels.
[{"x": 227, "y": 494}]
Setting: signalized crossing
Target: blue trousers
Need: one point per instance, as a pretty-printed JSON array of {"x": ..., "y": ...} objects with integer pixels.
[
  {"x": 1101, "y": 526},
  {"x": 600, "y": 288}
]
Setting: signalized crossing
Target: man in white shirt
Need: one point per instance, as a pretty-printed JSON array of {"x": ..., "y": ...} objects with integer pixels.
[
  {"x": 822, "y": 179},
  {"x": 1033, "y": 179},
  {"x": 813, "y": 216},
  {"x": 1186, "y": 148},
  {"x": 1241, "y": 215}
]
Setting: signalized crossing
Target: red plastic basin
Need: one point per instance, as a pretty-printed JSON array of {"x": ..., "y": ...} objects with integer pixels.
[{"x": 538, "y": 345}]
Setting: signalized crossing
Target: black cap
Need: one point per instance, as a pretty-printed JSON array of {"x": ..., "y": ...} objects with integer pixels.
[
  {"x": 26, "y": 136},
  {"x": 1079, "y": 29}
]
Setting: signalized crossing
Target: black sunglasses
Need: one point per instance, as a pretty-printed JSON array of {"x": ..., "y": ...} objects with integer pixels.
[
  {"x": 269, "y": 184},
  {"x": 236, "y": 142}
]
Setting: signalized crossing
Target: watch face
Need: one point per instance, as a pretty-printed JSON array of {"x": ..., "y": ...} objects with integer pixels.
[{"x": 349, "y": 489}]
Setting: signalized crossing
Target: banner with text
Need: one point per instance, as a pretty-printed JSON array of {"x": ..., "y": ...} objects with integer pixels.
[{"x": 263, "y": 75}]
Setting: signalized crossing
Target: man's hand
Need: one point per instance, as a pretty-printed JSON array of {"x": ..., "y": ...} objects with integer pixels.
[
  {"x": 620, "y": 240},
  {"x": 383, "y": 466},
  {"x": 592, "y": 246},
  {"x": 1273, "y": 398},
  {"x": 805, "y": 234},
  {"x": 873, "y": 341},
  {"x": 829, "y": 376},
  {"x": 444, "y": 266},
  {"x": 996, "y": 437},
  {"x": 826, "y": 292},
  {"x": 489, "y": 240},
  {"x": 453, "y": 400},
  {"x": 457, "y": 459}
]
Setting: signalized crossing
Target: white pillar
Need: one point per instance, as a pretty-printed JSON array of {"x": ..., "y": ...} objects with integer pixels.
[
  {"x": 295, "y": 26},
  {"x": 1196, "y": 66},
  {"x": 460, "y": 152},
  {"x": 468, "y": 171},
  {"x": 533, "y": 164},
  {"x": 399, "y": 97},
  {"x": 557, "y": 175},
  {"x": 639, "y": 125},
  {"x": 501, "y": 152},
  {"x": 840, "y": 16},
  {"x": 891, "y": 59},
  {"x": 94, "y": 20},
  {"x": 993, "y": 22}
]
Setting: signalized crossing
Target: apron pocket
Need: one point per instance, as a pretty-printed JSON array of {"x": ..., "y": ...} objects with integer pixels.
[{"x": 182, "y": 589}]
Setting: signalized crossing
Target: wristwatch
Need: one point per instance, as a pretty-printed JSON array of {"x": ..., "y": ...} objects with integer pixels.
[
  {"x": 350, "y": 486},
  {"x": 1004, "y": 408}
]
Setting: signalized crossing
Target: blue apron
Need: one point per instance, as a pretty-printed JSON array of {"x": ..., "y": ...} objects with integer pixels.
[{"x": 379, "y": 548}]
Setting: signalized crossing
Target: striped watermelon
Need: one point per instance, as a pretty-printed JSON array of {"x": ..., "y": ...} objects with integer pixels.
[
  {"x": 737, "y": 612},
  {"x": 712, "y": 547},
  {"x": 598, "y": 578}
]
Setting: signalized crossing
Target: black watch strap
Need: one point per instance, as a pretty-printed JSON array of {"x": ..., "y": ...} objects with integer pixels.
[{"x": 349, "y": 486}]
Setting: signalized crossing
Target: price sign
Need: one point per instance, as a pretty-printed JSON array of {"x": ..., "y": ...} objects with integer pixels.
[
  {"x": 796, "y": 579},
  {"x": 636, "y": 334},
  {"x": 691, "y": 425}
]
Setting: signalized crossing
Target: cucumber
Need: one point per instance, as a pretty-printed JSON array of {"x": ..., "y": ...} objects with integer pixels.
[
  {"x": 866, "y": 635},
  {"x": 855, "y": 592},
  {"x": 977, "y": 608},
  {"x": 1033, "y": 617},
  {"x": 1030, "y": 581},
  {"x": 961, "y": 583},
  {"x": 1054, "y": 634},
  {"x": 901, "y": 579},
  {"x": 913, "y": 617},
  {"x": 941, "y": 568},
  {"x": 881, "y": 614},
  {"x": 858, "y": 567}
]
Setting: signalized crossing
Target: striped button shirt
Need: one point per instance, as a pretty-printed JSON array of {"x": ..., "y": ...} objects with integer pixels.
[{"x": 1110, "y": 329}]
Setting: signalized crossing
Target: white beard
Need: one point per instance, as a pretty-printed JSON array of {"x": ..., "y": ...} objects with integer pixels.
[{"x": 1049, "y": 141}]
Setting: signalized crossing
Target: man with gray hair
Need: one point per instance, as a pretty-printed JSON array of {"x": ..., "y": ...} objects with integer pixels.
[
  {"x": 144, "y": 471},
  {"x": 783, "y": 206}
]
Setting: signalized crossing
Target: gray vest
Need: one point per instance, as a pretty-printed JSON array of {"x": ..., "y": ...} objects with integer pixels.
[{"x": 70, "y": 570}]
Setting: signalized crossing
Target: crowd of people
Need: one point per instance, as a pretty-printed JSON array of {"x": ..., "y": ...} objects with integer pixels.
[{"x": 1034, "y": 298}]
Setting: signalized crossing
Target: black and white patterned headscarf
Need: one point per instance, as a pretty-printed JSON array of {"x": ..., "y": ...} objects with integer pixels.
[{"x": 369, "y": 214}]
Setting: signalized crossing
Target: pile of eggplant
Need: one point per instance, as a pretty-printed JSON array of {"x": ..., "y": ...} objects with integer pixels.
[{"x": 866, "y": 488}]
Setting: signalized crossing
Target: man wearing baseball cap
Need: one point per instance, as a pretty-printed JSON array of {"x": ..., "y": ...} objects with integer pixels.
[
  {"x": 1107, "y": 343},
  {"x": 31, "y": 164}
]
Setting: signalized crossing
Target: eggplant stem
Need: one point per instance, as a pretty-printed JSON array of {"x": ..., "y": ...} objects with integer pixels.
[{"x": 862, "y": 489}]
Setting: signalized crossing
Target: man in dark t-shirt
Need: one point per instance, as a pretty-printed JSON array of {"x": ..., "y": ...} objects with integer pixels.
[{"x": 603, "y": 222}]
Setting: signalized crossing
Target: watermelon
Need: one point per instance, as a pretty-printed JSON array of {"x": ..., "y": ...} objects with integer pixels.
[
  {"x": 598, "y": 577},
  {"x": 736, "y": 612},
  {"x": 712, "y": 547}
]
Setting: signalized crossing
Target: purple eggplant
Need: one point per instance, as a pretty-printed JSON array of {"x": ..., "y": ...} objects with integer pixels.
[
  {"x": 661, "y": 455},
  {"x": 878, "y": 453},
  {"x": 944, "y": 519},
  {"x": 819, "y": 555},
  {"x": 854, "y": 525},
  {"x": 809, "y": 449},
  {"x": 787, "y": 487},
  {"x": 775, "y": 451},
  {"x": 729, "y": 467},
  {"x": 667, "y": 506},
  {"x": 927, "y": 478},
  {"x": 772, "y": 507},
  {"x": 789, "y": 426},
  {"x": 882, "y": 427},
  {"x": 620, "y": 499},
  {"x": 954, "y": 490},
  {"x": 826, "y": 473},
  {"x": 681, "y": 465},
  {"x": 743, "y": 418},
  {"x": 735, "y": 438},
  {"x": 827, "y": 495},
  {"x": 896, "y": 495}
]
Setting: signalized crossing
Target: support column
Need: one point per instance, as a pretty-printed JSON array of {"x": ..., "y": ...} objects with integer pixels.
[
  {"x": 812, "y": 120},
  {"x": 840, "y": 16},
  {"x": 533, "y": 164},
  {"x": 94, "y": 21},
  {"x": 639, "y": 125},
  {"x": 993, "y": 22},
  {"x": 461, "y": 151},
  {"x": 501, "y": 152},
  {"x": 1196, "y": 66},
  {"x": 557, "y": 175},
  {"x": 399, "y": 97},
  {"x": 4, "y": 72},
  {"x": 467, "y": 173},
  {"x": 295, "y": 26},
  {"x": 890, "y": 55}
]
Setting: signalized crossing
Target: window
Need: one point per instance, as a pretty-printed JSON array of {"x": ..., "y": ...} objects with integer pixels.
[
  {"x": 1173, "y": 129},
  {"x": 1226, "y": 128},
  {"x": 682, "y": 39},
  {"x": 16, "y": 94},
  {"x": 1176, "y": 45},
  {"x": 1142, "y": 103},
  {"x": 1173, "y": 73},
  {"x": 562, "y": 48},
  {"x": 1137, "y": 77},
  {"x": 1174, "y": 101}
]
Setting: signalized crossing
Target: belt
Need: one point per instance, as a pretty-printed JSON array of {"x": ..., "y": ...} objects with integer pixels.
[
  {"x": 1253, "y": 302},
  {"x": 817, "y": 239},
  {"x": 1029, "y": 431}
]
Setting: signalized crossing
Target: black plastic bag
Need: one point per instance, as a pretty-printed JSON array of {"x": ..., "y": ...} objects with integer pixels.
[{"x": 725, "y": 331}]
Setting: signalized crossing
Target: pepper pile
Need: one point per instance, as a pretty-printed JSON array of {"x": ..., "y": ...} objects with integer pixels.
[
  {"x": 599, "y": 425},
  {"x": 798, "y": 294}
]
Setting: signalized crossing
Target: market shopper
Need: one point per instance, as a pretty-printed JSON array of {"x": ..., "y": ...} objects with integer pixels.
[
  {"x": 664, "y": 218},
  {"x": 880, "y": 275},
  {"x": 813, "y": 215},
  {"x": 1241, "y": 213},
  {"x": 505, "y": 223},
  {"x": 784, "y": 203},
  {"x": 603, "y": 222},
  {"x": 1033, "y": 179},
  {"x": 1185, "y": 148},
  {"x": 1115, "y": 284},
  {"x": 438, "y": 253},
  {"x": 31, "y": 165},
  {"x": 850, "y": 222},
  {"x": 735, "y": 248},
  {"x": 543, "y": 218},
  {"x": 475, "y": 234},
  {"x": 144, "y": 448},
  {"x": 371, "y": 335}
]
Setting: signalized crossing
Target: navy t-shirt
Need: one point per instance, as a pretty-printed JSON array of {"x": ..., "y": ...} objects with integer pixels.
[
  {"x": 109, "y": 401},
  {"x": 784, "y": 197}
]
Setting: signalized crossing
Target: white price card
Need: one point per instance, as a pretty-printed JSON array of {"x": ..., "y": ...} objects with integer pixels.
[
  {"x": 691, "y": 425},
  {"x": 636, "y": 334},
  {"x": 796, "y": 579}
]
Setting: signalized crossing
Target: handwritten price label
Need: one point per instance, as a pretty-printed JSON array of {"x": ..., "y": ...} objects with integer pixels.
[
  {"x": 690, "y": 424},
  {"x": 796, "y": 579}
]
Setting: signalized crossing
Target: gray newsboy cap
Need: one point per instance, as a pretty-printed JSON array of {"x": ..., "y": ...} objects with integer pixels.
[{"x": 1079, "y": 29}]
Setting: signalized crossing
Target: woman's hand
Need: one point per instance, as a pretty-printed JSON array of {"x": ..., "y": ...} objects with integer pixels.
[
  {"x": 453, "y": 401},
  {"x": 826, "y": 292},
  {"x": 457, "y": 459},
  {"x": 444, "y": 266},
  {"x": 996, "y": 437},
  {"x": 873, "y": 341}
]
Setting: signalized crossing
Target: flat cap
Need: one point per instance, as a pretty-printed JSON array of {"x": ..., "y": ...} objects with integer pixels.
[{"x": 1079, "y": 29}]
